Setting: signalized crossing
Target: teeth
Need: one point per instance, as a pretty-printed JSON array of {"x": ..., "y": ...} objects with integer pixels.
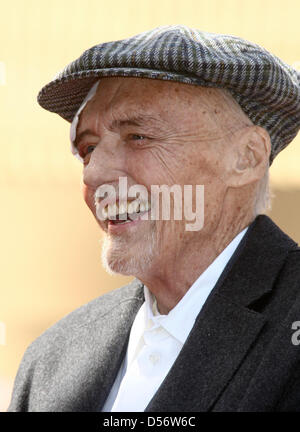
[
  {"x": 123, "y": 208},
  {"x": 136, "y": 206},
  {"x": 142, "y": 207},
  {"x": 130, "y": 208},
  {"x": 104, "y": 213},
  {"x": 112, "y": 210}
]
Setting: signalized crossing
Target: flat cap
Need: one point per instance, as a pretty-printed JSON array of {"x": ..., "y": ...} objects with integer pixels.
[{"x": 266, "y": 88}]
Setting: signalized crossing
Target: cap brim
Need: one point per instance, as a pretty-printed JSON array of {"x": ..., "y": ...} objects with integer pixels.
[{"x": 65, "y": 95}]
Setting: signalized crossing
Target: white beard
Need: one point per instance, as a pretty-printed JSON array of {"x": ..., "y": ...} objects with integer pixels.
[{"x": 119, "y": 256}]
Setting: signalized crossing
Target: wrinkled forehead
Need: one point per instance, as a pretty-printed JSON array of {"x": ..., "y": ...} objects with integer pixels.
[
  {"x": 115, "y": 98},
  {"x": 163, "y": 96}
]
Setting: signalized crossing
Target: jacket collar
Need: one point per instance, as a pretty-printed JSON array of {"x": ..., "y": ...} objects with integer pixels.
[{"x": 253, "y": 268}]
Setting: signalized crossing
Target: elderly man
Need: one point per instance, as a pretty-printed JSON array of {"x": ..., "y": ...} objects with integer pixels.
[{"x": 210, "y": 323}]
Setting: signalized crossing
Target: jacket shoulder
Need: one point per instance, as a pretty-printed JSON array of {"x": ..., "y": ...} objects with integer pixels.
[
  {"x": 85, "y": 315},
  {"x": 56, "y": 342}
]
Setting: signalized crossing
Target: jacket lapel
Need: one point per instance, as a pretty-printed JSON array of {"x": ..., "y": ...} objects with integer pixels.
[
  {"x": 103, "y": 346},
  {"x": 226, "y": 327}
]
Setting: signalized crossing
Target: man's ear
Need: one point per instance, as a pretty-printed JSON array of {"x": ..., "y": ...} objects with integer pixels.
[{"x": 250, "y": 156}]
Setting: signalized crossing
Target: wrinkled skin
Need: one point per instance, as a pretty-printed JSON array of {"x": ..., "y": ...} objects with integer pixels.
[{"x": 185, "y": 135}]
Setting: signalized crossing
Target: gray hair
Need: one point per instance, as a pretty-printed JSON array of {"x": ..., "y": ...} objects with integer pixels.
[{"x": 263, "y": 197}]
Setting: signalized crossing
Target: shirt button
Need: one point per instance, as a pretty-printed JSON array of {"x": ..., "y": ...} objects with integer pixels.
[{"x": 154, "y": 358}]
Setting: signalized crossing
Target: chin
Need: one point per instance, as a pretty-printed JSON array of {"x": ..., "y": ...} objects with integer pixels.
[{"x": 127, "y": 260}]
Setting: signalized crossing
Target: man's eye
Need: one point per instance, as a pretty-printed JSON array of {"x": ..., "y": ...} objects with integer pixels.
[
  {"x": 89, "y": 149},
  {"x": 86, "y": 150},
  {"x": 137, "y": 137}
]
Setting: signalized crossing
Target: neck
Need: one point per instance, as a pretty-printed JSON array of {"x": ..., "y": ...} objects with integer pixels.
[{"x": 172, "y": 275}]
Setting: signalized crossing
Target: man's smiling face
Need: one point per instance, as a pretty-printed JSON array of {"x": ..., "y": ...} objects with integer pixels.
[{"x": 153, "y": 133}]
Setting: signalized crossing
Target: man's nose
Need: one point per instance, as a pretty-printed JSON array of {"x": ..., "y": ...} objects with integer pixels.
[{"x": 106, "y": 163}]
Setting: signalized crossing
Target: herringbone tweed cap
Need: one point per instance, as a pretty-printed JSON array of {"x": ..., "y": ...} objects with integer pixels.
[{"x": 267, "y": 89}]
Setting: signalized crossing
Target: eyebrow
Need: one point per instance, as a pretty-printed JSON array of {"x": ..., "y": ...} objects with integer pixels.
[{"x": 139, "y": 120}]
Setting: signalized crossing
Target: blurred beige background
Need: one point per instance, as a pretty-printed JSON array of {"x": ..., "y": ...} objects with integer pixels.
[{"x": 50, "y": 254}]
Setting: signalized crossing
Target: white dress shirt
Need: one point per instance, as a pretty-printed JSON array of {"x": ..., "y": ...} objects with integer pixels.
[{"x": 156, "y": 340}]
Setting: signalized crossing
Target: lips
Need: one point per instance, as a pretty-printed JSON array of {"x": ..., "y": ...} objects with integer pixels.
[{"x": 119, "y": 226}]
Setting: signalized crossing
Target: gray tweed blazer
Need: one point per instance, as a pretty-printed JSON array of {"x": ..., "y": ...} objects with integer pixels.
[{"x": 239, "y": 355}]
